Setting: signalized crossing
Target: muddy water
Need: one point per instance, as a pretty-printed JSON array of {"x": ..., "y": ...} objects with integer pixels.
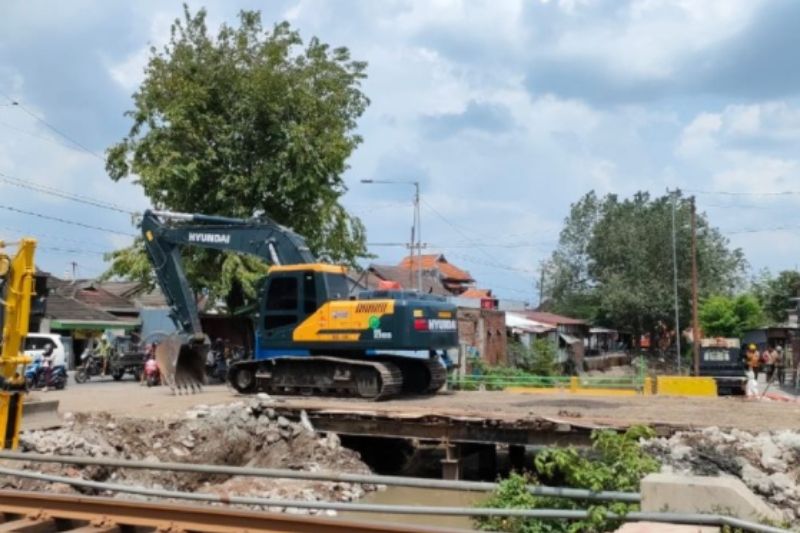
[{"x": 414, "y": 496}]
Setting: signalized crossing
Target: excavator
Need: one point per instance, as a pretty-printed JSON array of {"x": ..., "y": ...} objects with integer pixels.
[
  {"x": 312, "y": 337},
  {"x": 17, "y": 277}
]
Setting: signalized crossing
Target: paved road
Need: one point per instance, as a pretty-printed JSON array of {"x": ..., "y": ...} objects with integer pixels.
[{"x": 129, "y": 398}]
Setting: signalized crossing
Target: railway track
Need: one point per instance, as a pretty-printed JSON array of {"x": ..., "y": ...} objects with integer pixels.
[{"x": 33, "y": 512}]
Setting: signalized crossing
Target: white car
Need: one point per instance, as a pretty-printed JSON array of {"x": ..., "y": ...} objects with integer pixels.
[{"x": 35, "y": 344}]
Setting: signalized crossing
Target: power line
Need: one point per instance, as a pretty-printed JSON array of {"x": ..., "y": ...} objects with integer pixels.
[
  {"x": 52, "y": 128},
  {"x": 455, "y": 227},
  {"x": 733, "y": 193},
  {"x": 46, "y": 189},
  {"x": 39, "y": 234},
  {"x": 65, "y": 221},
  {"x": 32, "y": 134}
]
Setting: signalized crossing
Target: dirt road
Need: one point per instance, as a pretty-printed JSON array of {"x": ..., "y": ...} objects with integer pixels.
[{"x": 129, "y": 398}]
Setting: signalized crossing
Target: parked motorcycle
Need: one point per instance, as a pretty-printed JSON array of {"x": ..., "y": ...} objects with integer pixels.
[{"x": 35, "y": 376}]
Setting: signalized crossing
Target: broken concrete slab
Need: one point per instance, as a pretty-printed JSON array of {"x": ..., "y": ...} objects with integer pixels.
[{"x": 704, "y": 494}]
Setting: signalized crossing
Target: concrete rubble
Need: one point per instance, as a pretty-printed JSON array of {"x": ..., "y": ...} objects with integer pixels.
[
  {"x": 768, "y": 463},
  {"x": 239, "y": 434}
]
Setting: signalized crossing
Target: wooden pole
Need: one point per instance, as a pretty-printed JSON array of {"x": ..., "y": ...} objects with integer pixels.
[{"x": 695, "y": 322}]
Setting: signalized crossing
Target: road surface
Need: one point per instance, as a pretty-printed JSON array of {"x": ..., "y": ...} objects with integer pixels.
[{"x": 129, "y": 398}]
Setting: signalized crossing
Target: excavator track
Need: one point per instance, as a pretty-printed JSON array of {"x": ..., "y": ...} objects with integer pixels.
[
  {"x": 420, "y": 376},
  {"x": 318, "y": 376}
]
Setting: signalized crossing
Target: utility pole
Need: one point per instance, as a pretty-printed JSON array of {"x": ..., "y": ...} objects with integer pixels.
[
  {"x": 695, "y": 323},
  {"x": 541, "y": 286},
  {"x": 416, "y": 230},
  {"x": 74, "y": 269},
  {"x": 418, "y": 225},
  {"x": 675, "y": 285}
]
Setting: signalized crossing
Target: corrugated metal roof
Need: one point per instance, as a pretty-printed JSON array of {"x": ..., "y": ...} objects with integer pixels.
[{"x": 554, "y": 319}]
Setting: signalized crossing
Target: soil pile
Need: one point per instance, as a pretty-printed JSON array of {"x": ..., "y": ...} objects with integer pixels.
[
  {"x": 768, "y": 463},
  {"x": 239, "y": 434}
]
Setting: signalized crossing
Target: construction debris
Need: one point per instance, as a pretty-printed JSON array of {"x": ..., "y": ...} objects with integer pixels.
[
  {"x": 768, "y": 463},
  {"x": 238, "y": 434}
]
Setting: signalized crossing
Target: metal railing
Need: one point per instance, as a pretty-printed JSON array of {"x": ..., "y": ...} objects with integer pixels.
[{"x": 541, "y": 514}]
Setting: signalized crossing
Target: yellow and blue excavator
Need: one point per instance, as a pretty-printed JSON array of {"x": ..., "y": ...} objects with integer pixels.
[
  {"x": 312, "y": 337},
  {"x": 17, "y": 276}
]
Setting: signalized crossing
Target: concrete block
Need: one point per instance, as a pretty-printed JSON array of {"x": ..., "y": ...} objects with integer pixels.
[
  {"x": 699, "y": 494},
  {"x": 655, "y": 527},
  {"x": 685, "y": 386}
]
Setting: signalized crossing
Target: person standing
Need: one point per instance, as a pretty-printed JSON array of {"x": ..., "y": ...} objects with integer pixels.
[
  {"x": 767, "y": 363},
  {"x": 780, "y": 365},
  {"x": 751, "y": 374}
]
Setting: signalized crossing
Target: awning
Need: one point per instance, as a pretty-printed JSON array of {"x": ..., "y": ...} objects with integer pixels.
[
  {"x": 569, "y": 339},
  {"x": 94, "y": 325},
  {"x": 519, "y": 323}
]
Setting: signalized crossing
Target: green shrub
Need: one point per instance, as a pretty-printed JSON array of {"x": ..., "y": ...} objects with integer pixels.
[{"x": 615, "y": 462}]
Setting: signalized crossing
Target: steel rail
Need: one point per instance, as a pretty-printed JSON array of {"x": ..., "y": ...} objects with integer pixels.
[
  {"x": 568, "y": 514},
  {"x": 397, "y": 481},
  {"x": 106, "y": 512}
]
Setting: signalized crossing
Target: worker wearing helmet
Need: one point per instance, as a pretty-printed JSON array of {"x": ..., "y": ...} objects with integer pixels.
[{"x": 752, "y": 361}]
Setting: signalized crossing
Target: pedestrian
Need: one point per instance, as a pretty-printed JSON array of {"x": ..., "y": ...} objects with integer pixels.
[
  {"x": 780, "y": 365},
  {"x": 47, "y": 364},
  {"x": 766, "y": 362}
]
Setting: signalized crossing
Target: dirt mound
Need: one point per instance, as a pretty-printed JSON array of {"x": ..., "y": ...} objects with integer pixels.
[
  {"x": 768, "y": 463},
  {"x": 238, "y": 434}
]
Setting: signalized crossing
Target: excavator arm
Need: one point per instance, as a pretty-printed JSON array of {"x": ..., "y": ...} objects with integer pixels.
[
  {"x": 165, "y": 233},
  {"x": 17, "y": 275}
]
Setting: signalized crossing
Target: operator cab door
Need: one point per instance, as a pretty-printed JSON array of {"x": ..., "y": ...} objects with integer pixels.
[{"x": 290, "y": 298}]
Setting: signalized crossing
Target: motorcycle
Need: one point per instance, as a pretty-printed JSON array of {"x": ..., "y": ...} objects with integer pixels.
[
  {"x": 217, "y": 368},
  {"x": 35, "y": 376},
  {"x": 91, "y": 366},
  {"x": 151, "y": 373}
]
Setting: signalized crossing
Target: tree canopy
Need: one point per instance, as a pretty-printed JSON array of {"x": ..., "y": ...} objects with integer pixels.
[
  {"x": 776, "y": 293},
  {"x": 246, "y": 123},
  {"x": 614, "y": 262},
  {"x": 725, "y": 316}
]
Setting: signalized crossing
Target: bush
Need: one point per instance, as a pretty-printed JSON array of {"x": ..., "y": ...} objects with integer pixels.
[
  {"x": 538, "y": 359},
  {"x": 616, "y": 462}
]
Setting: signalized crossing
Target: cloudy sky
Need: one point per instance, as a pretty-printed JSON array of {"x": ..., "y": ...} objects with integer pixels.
[{"x": 504, "y": 111}]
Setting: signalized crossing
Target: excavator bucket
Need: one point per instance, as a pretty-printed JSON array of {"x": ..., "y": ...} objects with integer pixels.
[
  {"x": 182, "y": 363},
  {"x": 38, "y": 413}
]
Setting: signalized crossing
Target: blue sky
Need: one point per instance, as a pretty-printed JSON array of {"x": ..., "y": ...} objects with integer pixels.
[{"x": 505, "y": 111}]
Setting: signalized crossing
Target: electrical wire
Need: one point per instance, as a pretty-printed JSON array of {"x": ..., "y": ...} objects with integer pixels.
[
  {"x": 52, "y": 128},
  {"x": 65, "y": 221},
  {"x": 47, "y": 189},
  {"x": 733, "y": 193}
]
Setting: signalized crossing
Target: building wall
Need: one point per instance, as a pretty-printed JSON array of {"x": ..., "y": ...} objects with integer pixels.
[{"x": 482, "y": 332}]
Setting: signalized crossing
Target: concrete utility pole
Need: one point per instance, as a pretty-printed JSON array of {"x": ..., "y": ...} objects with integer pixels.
[
  {"x": 416, "y": 229},
  {"x": 675, "y": 285},
  {"x": 695, "y": 322}
]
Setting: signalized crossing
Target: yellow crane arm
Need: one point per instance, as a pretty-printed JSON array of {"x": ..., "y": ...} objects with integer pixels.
[{"x": 18, "y": 274}]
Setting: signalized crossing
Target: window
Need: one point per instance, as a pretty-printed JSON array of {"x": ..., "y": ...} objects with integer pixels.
[
  {"x": 338, "y": 288},
  {"x": 309, "y": 293},
  {"x": 282, "y": 294},
  {"x": 279, "y": 321},
  {"x": 37, "y": 343}
]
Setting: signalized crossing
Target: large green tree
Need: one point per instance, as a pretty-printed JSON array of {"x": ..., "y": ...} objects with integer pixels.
[
  {"x": 614, "y": 264},
  {"x": 251, "y": 121},
  {"x": 776, "y": 293}
]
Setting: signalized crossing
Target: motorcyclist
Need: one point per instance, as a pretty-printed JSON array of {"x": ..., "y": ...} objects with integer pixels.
[{"x": 104, "y": 352}]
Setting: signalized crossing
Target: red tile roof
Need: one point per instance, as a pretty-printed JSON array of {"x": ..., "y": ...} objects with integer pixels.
[
  {"x": 436, "y": 262},
  {"x": 552, "y": 318},
  {"x": 476, "y": 293}
]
